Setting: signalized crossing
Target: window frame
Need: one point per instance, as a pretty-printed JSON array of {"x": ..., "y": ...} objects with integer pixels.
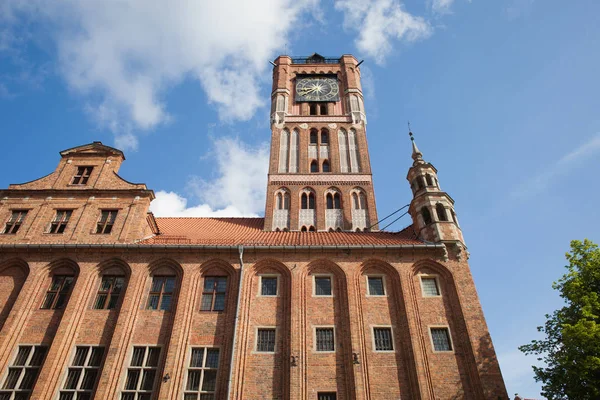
[
  {"x": 142, "y": 368},
  {"x": 374, "y": 342},
  {"x": 436, "y": 277},
  {"x": 18, "y": 222},
  {"x": 58, "y": 292},
  {"x": 265, "y": 328},
  {"x": 57, "y": 223},
  {"x": 202, "y": 369},
  {"x": 83, "y": 368},
  {"x": 260, "y": 287},
  {"x": 109, "y": 292},
  {"x": 314, "y": 279},
  {"x": 315, "y": 338},
  {"x": 214, "y": 293},
  {"x": 383, "y": 283},
  {"x": 83, "y": 176},
  {"x": 162, "y": 293},
  {"x": 448, "y": 332},
  {"x": 319, "y": 394},
  {"x": 107, "y": 223},
  {"x": 24, "y": 367}
]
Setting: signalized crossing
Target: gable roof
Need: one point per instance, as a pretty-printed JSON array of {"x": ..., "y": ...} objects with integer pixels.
[
  {"x": 93, "y": 148},
  {"x": 249, "y": 232}
]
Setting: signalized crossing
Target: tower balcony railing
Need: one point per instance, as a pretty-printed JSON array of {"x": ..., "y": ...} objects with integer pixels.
[
  {"x": 315, "y": 60},
  {"x": 360, "y": 219},
  {"x": 307, "y": 218},
  {"x": 334, "y": 219},
  {"x": 281, "y": 219}
]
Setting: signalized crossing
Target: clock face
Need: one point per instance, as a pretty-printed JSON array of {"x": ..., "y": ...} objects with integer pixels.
[{"x": 322, "y": 88}]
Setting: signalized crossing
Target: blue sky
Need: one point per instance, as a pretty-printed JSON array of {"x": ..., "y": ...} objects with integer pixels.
[{"x": 502, "y": 97}]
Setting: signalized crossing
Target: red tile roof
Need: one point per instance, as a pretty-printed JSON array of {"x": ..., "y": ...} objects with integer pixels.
[{"x": 249, "y": 232}]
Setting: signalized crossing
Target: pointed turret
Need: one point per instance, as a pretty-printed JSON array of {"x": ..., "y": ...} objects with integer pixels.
[{"x": 431, "y": 209}]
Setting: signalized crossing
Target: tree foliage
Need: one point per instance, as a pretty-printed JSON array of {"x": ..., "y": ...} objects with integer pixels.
[{"x": 571, "y": 348}]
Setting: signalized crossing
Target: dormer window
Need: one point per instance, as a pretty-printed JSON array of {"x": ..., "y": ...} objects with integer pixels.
[
  {"x": 60, "y": 221},
  {"x": 106, "y": 222},
  {"x": 14, "y": 222},
  {"x": 82, "y": 176}
]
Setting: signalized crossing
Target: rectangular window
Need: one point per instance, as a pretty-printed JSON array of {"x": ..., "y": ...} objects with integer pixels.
[
  {"x": 83, "y": 373},
  {"x": 265, "y": 340},
  {"x": 268, "y": 286},
  {"x": 383, "y": 339},
  {"x": 161, "y": 293},
  {"x": 23, "y": 372},
  {"x": 322, "y": 286},
  {"x": 60, "y": 221},
  {"x": 14, "y": 222},
  {"x": 106, "y": 221},
  {"x": 441, "y": 339},
  {"x": 213, "y": 295},
  {"x": 202, "y": 374},
  {"x": 376, "y": 287},
  {"x": 430, "y": 286},
  {"x": 141, "y": 373},
  {"x": 109, "y": 292},
  {"x": 325, "y": 339},
  {"x": 58, "y": 293},
  {"x": 326, "y": 396},
  {"x": 82, "y": 176}
]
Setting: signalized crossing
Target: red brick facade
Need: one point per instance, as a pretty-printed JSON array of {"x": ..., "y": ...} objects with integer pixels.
[{"x": 218, "y": 295}]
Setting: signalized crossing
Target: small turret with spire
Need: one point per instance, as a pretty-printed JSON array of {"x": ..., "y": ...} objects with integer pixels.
[{"x": 431, "y": 209}]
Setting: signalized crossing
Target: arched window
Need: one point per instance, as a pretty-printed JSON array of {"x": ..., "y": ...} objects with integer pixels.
[
  {"x": 326, "y": 166},
  {"x": 337, "y": 201},
  {"x": 329, "y": 199},
  {"x": 355, "y": 201},
  {"x": 311, "y": 201},
  {"x": 417, "y": 184},
  {"x": 343, "y": 145},
  {"x": 363, "y": 201},
  {"x": 441, "y": 212},
  {"x": 314, "y": 167},
  {"x": 324, "y": 136},
  {"x": 279, "y": 204},
  {"x": 286, "y": 201},
  {"x": 303, "y": 229},
  {"x": 353, "y": 151},
  {"x": 284, "y": 140},
  {"x": 311, "y": 229},
  {"x": 313, "y": 136},
  {"x": 429, "y": 181},
  {"x": 313, "y": 109},
  {"x": 307, "y": 201},
  {"x": 323, "y": 109},
  {"x": 304, "y": 201},
  {"x": 426, "y": 215},
  {"x": 453, "y": 217},
  {"x": 421, "y": 181}
]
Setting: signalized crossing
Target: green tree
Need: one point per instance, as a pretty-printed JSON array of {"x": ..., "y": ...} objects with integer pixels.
[{"x": 571, "y": 348}]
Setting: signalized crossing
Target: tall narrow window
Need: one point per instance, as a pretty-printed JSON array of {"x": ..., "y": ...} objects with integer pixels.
[
  {"x": 202, "y": 374},
  {"x": 313, "y": 109},
  {"x": 294, "y": 151},
  {"x": 23, "y": 372},
  {"x": 325, "y": 339},
  {"x": 324, "y": 136},
  {"x": 383, "y": 339},
  {"x": 441, "y": 212},
  {"x": 141, "y": 374},
  {"x": 343, "y": 147},
  {"x": 109, "y": 292},
  {"x": 441, "y": 339},
  {"x": 161, "y": 293},
  {"x": 83, "y": 373},
  {"x": 284, "y": 140},
  {"x": 426, "y": 215},
  {"x": 106, "y": 221},
  {"x": 304, "y": 201},
  {"x": 82, "y": 176},
  {"x": 265, "y": 340},
  {"x": 314, "y": 166},
  {"x": 326, "y": 166},
  {"x": 323, "y": 109},
  {"x": 14, "y": 222},
  {"x": 58, "y": 293},
  {"x": 213, "y": 295},
  {"x": 311, "y": 201},
  {"x": 313, "y": 136},
  {"x": 60, "y": 221},
  {"x": 428, "y": 180},
  {"x": 329, "y": 200},
  {"x": 353, "y": 151}
]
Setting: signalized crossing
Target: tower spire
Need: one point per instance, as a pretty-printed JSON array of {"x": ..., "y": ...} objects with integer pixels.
[{"x": 417, "y": 156}]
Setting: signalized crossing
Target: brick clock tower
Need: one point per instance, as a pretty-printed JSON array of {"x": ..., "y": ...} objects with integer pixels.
[{"x": 319, "y": 172}]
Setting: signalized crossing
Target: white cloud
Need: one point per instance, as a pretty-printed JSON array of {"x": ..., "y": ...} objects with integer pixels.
[
  {"x": 563, "y": 165},
  {"x": 518, "y": 374},
  {"x": 379, "y": 23},
  {"x": 441, "y": 6},
  {"x": 123, "y": 55},
  {"x": 238, "y": 189}
]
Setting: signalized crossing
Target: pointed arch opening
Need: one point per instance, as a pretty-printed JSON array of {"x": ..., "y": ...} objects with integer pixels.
[
  {"x": 326, "y": 167},
  {"x": 441, "y": 212},
  {"x": 428, "y": 180},
  {"x": 324, "y": 136},
  {"x": 426, "y": 215},
  {"x": 314, "y": 136},
  {"x": 314, "y": 166}
]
